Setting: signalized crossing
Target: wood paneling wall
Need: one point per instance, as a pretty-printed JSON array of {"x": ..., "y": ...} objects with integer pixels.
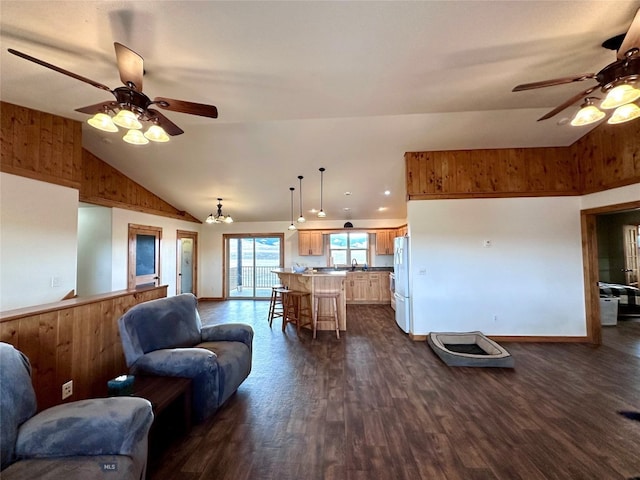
[
  {"x": 102, "y": 184},
  {"x": 40, "y": 145},
  {"x": 608, "y": 157},
  {"x": 76, "y": 339},
  {"x": 46, "y": 147},
  {"x": 491, "y": 173}
]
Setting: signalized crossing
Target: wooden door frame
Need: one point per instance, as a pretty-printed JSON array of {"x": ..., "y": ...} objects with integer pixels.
[
  {"x": 227, "y": 236},
  {"x": 134, "y": 230},
  {"x": 194, "y": 236},
  {"x": 590, "y": 265}
]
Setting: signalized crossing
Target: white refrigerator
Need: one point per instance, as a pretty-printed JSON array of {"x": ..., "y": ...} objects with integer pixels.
[{"x": 402, "y": 293}]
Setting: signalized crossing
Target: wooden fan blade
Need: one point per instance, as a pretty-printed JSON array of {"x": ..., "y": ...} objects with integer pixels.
[
  {"x": 98, "y": 107},
  {"x": 186, "y": 107},
  {"x": 632, "y": 38},
  {"x": 130, "y": 66},
  {"x": 555, "y": 81},
  {"x": 569, "y": 102},
  {"x": 168, "y": 126},
  {"x": 59, "y": 70}
]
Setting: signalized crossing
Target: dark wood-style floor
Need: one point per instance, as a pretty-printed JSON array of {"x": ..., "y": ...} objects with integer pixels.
[{"x": 375, "y": 405}]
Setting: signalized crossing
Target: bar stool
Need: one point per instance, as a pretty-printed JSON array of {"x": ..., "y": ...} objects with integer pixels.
[
  {"x": 276, "y": 305},
  {"x": 297, "y": 305},
  {"x": 333, "y": 310}
]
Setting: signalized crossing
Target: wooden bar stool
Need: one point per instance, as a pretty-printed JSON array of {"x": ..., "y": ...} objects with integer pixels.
[
  {"x": 333, "y": 311},
  {"x": 276, "y": 305},
  {"x": 297, "y": 305}
]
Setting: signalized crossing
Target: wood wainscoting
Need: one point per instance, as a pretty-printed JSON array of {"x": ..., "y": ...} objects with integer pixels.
[{"x": 74, "y": 339}]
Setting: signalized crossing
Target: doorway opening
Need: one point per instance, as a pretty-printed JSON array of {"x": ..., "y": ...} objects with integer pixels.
[
  {"x": 187, "y": 262},
  {"x": 249, "y": 260},
  {"x": 591, "y": 264}
]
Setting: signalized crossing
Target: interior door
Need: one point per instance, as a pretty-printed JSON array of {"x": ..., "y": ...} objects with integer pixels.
[
  {"x": 187, "y": 262},
  {"x": 631, "y": 254},
  {"x": 144, "y": 256}
]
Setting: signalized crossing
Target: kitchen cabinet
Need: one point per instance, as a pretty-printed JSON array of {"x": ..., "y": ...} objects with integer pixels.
[
  {"x": 401, "y": 231},
  {"x": 310, "y": 243},
  {"x": 367, "y": 287},
  {"x": 384, "y": 242}
]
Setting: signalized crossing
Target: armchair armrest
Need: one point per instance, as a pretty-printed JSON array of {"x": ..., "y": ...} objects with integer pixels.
[
  {"x": 177, "y": 362},
  {"x": 100, "y": 426},
  {"x": 229, "y": 332}
]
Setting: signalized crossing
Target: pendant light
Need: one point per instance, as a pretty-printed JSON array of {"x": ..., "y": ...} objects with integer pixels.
[
  {"x": 292, "y": 226},
  {"x": 301, "y": 218},
  {"x": 321, "y": 213}
]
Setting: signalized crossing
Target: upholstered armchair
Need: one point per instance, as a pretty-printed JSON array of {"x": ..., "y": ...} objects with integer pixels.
[
  {"x": 97, "y": 438},
  {"x": 166, "y": 337}
]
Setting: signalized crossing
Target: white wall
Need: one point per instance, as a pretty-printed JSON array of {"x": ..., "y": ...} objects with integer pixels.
[
  {"x": 528, "y": 282},
  {"x": 168, "y": 246},
  {"x": 94, "y": 250},
  {"x": 630, "y": 193},
  {"x": 38, "y": 241}
]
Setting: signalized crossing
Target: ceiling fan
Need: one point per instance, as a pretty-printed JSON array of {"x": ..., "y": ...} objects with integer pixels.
[
  {"x": 131, "y": 105},
  {"x": 618, "y": 81}
]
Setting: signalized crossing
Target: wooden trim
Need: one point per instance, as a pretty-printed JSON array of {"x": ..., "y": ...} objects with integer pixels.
[
  {"x": 541, "y": 339},
  {"x": 75, "y": 339},
  {"x": 590, "y": 264},
  {"x": 132, "y": 279},
  {"x": 452, "y": 196}
]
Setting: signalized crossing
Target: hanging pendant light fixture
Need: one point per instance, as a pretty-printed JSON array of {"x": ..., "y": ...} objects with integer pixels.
[
  {"x": 321, "y": 213},
  {"x": 219, "y": 217},
  {"x": 292, "y": 226},
  {"x": 301, "y": 218}
]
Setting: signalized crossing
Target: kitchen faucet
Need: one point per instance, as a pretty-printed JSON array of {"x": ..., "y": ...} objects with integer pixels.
[{"x": 354, "y": 264}]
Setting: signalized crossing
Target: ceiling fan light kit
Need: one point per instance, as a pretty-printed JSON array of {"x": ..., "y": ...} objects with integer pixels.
[
  {"x": 624, "y": 113},
  {"x": 131, "y": 108},
  {"x": 618, "y": 81}
]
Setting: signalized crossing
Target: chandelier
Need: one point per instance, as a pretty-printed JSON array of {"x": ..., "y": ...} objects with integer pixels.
[{"x": 219, "y": 217}]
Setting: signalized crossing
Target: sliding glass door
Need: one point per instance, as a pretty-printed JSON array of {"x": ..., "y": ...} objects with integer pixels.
[{"x": 249, "y": 260}]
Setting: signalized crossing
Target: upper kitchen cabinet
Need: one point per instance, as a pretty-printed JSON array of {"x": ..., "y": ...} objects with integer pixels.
[
  {"x": 401, "y": 231},
  {"x": 310, "y": 243},
  {"x": 384, "y": 242}
]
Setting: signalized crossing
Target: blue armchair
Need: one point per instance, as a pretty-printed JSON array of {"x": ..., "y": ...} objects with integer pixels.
[
  {"x": 166, "y": 337},
  {"x": 78, "y": 440}
]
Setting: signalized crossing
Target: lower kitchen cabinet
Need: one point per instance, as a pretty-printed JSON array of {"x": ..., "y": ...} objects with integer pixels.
[{"x": 367, "y": 287}]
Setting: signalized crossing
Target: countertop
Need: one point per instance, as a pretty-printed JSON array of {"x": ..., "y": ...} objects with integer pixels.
[{"x": 317, "y": 273}]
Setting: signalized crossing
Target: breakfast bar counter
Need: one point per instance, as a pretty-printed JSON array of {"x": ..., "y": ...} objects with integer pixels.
[{"x": 312, "y": 282}]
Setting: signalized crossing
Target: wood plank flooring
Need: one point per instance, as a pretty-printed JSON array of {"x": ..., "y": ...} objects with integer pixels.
[{"x": 375, "y": 405}]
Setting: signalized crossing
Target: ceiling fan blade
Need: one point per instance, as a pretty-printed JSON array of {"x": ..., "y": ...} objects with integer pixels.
[
  {"x": 130, "y": 66},
  {"x": 186, "y": 107},
  {"x": 555, "y": 81},
  {"x": 98, "y": 107},
  {"x": 632, "y": 38},
  {"x": 569, "y": 102},
  {"x": 168, "y": 126},
  {"x": 59, "y": 70}
]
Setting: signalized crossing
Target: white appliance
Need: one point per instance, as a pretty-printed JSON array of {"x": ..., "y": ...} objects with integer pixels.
[{"x": 401, "y": 273}]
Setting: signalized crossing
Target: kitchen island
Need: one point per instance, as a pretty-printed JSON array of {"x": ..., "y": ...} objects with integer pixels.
[{"x": 312, "y": 282}]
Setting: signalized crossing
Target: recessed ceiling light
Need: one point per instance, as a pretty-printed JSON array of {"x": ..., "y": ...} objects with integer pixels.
[
  {"x": 382, "y": 209},
  {"x": 347, "y": 193},
  {"x": 346, "y": 209},
  {"x": 313, "y": 210},
  {"x": 387, "y": 192}
]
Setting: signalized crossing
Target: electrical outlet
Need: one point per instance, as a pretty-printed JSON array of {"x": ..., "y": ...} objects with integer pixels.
[{"x": 67, "y": 389}]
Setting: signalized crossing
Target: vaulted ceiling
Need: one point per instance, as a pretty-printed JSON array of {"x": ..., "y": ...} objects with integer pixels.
[{"x": 349, "y": 86}]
